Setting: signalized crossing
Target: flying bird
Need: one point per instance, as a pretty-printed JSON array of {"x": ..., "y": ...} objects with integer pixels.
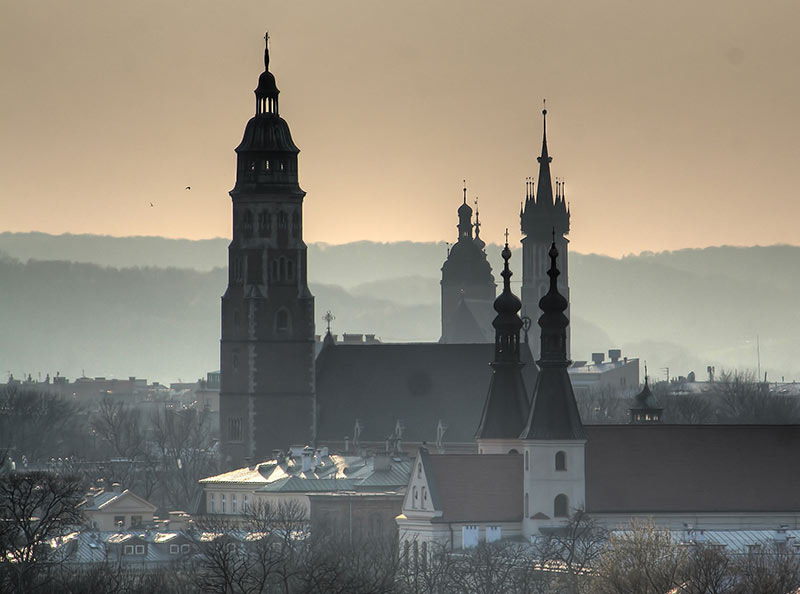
[
  {"x": 188, "y": 187},
  {"x": 151, "y": 204}
]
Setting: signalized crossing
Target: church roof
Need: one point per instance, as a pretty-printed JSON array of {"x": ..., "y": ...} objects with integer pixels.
[
  {"x": 416, "y": 383},
  {"x": 692, "y": 468},
  {"x": 475, "y": 488},
  {"x": 464, "y": 322}
]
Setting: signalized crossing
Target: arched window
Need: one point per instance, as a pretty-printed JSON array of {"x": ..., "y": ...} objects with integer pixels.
[
  {"x": 295, "y": 224},
  {"x": 561, "y": 460},
  {"x": 424, "y": 495},
  {"x": 416, "y": 498},
  {"x": 290, "y": 269},
  {"x": 419, "y": 470},
  {"x": 274, "y": 271},
  {"x": 282, "y": 268},
  {"x": 527, "y": 466},
  {"x": 513, "y": 451},
  {"x": 560, "y": 506},
  {"x": 247, "y": 223},
  {"x": 282, "y": 321}
]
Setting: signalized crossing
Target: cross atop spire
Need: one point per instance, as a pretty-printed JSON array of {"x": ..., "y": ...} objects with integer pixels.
[{"x": 328, "y": 318}]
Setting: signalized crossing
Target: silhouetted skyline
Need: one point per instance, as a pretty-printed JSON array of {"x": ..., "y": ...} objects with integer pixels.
[{"x": 672, "y": 125}]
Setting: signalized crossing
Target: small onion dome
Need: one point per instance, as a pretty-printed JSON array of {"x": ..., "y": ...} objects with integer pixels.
[
  {"x": 507, "y": 304},
  {"x": 266, "y": 85},
  {"x": 645, "y": 398},
  {"x": 465, "y": 210},
  {"x": 553, "y": 301},
  {"x": 478, "y": 241}
]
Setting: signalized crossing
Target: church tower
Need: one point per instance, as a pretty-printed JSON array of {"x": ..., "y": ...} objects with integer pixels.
[
  {"x": 553, "y": 439},
  {"x": 506, "y": 408},
  {"x": 267, "y": 394},
  {"x": 543, "y": 212},
  {"x": 468, "y": 287}
]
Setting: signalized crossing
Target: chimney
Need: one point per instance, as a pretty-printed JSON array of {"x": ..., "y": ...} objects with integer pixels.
[
  {"x": 276, "y": 454},
  {"x": 346, "y": 444},
  {"x": 308, "y": 455},
  {"x": 382, "y": 461},
  {"x": 614, "y": 355},
  {"x": 598, "y": 358},
  {"x": 116, "y": 487}
]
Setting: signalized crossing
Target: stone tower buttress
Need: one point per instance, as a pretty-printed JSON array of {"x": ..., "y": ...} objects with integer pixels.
[{"x": 267, "y": 383}]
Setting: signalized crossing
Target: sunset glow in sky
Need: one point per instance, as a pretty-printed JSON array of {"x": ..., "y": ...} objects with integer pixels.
[{"x": 674, "y": 124}]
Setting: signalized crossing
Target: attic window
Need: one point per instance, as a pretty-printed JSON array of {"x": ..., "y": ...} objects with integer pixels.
[
  {"x": 424, "y": 494},
  {"x": 174, "y": 549},
  {"x": 184, "y": 548},
  {"x": 140, "y": 549},
  {"x": 136, "y": 521},
  {"x": 128, "y": 550},
  {"x": 419, "y": 470}
]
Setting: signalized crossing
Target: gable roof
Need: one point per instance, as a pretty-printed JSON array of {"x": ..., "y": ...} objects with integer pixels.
[
  {"x": 107, "y": 500},
  {"x": 419, "y": 383},
  {"x": 692, "y": 468},
  {"x": 475, "y": 487}
]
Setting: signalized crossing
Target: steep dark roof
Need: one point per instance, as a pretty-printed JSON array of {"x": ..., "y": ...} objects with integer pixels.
[
  {"x": 418, "y": 383},
  {"x": 475, "y": 488},
  {"x": 554, "y": 412},
  {"x": 692, "y": 468}
]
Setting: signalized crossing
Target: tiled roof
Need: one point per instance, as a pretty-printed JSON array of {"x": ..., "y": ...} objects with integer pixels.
[
  {"x": 475, "y": 488},
  {"x": 418, "y": 383},
  {"x": 692, "y": 468}
]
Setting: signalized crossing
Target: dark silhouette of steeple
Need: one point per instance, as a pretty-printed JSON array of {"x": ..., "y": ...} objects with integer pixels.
[
  {"x": 645, "y": 408},
  {"x": 543, "y": 212},
  {"x": 464, "y": 220},
  {"x": 554, "y": 412},
  {"x": 506, "y": 407},
  {"x": 267, "y": 309},
  {"x": 468, "y": 287}
]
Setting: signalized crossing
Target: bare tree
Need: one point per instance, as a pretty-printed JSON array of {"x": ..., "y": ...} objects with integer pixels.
[
  {"x": 26, "y": 415},
  {"x": 744, "y": 399},
  {"x": 34, "y": 508},
  {"x": 182, "y": 446},
  {"x": 641, "y": 560}
]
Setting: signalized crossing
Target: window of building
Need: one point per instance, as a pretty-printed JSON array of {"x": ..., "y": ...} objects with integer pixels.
[
  {"x": 119, "y": 521},
  {"x": 234, "y": 504},
  {"x": 290, "y": 269},
  {"x": 416, "y": 498},
  {"x": 213, "y": 503},
  {"x": 234, "y": 428},
  {"x": 140, "y": 549},
  {"x": 469, "y": 536},
  {"x": 244, "y": 504},
  {"x": 526, "y": 461},
  {"x": 561, "y": 460},
  {"x": 560, "y": 506},
  {"x": 419, "y": 470},
  {"x": 263, "y": 224},
  {"x": 136, "y": 521},
  {"x": 493, "y": 533},
  {"x": 224, "y": 503},
  {"x": 295, "y": 224},
  {"x": 424, "y": 495},
  {"x": 174, "y": 549},
  {"x": 184, "y": 548},
  {"x": 128, "y": 550},
  {"x": 266, "y": 165},
  {"x": 282, "y": 165}
]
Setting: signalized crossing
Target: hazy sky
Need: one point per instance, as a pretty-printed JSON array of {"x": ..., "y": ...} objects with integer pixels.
[{"x": 674, "y": 123}]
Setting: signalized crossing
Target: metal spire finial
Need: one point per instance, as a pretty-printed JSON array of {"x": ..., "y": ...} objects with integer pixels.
[{"x": 329, "y": 317}]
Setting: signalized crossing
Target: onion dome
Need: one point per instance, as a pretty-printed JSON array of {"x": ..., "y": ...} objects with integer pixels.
[{"x": 507, "y": 323}]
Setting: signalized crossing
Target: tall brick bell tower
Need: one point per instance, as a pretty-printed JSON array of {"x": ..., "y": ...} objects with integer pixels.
[{"x": 267, "y": 394}]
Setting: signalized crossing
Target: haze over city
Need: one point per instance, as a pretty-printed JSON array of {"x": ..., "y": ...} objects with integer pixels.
[{"x": 672, "y": 124}]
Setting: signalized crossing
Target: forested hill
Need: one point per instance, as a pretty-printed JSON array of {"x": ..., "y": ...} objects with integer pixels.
[{"x": 150, "y": 306}]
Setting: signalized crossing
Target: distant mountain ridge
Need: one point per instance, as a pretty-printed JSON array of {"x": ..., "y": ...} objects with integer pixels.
[{"x": 150, "y": 306}]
